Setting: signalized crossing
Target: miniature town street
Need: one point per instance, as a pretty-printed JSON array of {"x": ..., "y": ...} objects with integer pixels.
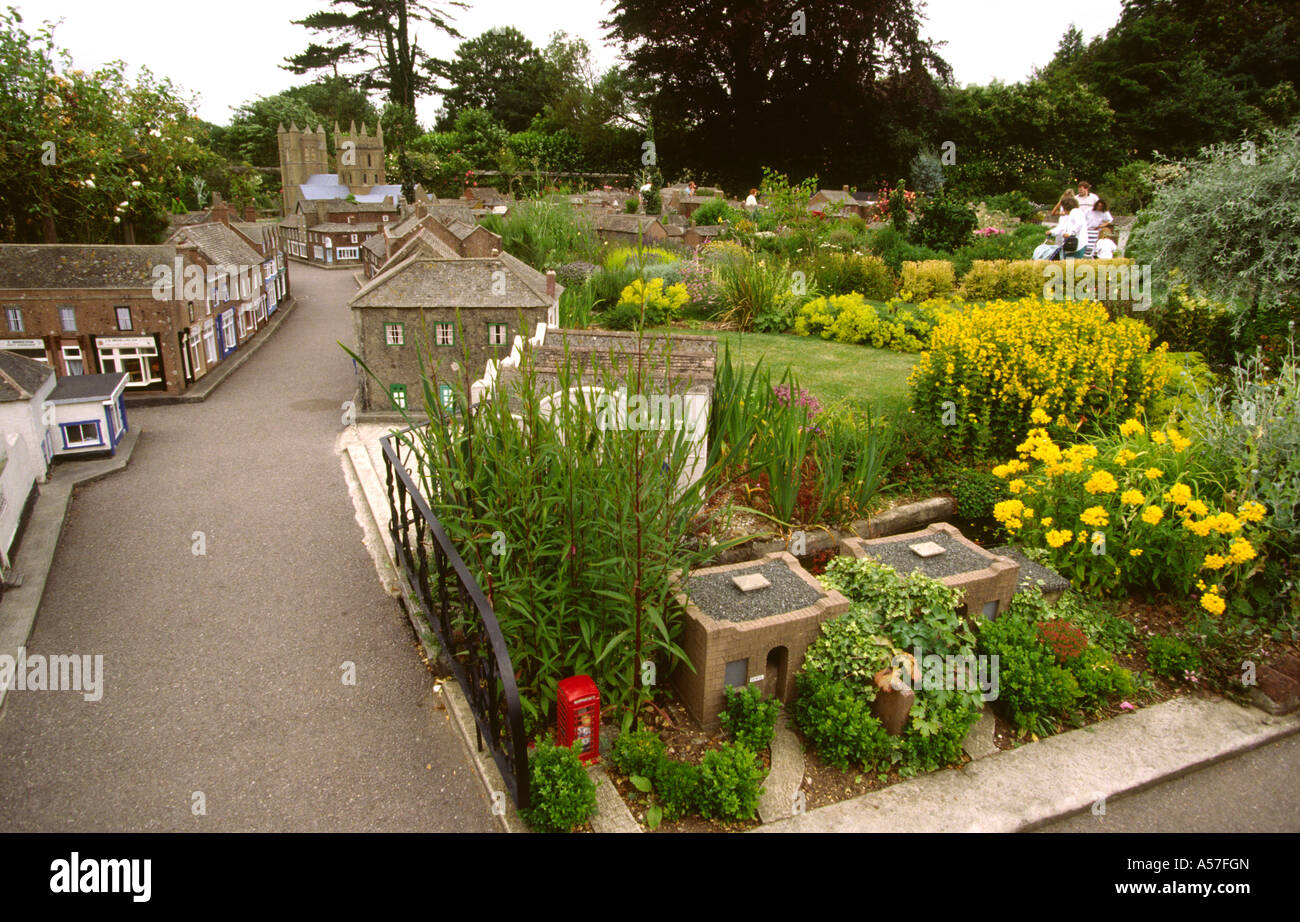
[{"x": 223, "y": 579}]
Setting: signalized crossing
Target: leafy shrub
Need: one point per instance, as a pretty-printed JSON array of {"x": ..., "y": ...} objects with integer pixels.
[
  {"x": 1172, "y": 657},
  {"x": 1016, "y": 204},
  {"x": 893, "y": 247},
  {"x": 547, "y": 235},
  {"x": 1101, "y": 680},
  {"x": 677, "y": 785},
  {"x": 849, "y": 319},
  {"x": 749, "y": 718},
  {"x": 997, "y": 361},
  {"x": 561, "y": 794},
  {"x": 934, "y": 733},
  {"x": 891, "y": 614},
  {"x": 944, "y": 223},
  {"x": 926, "y": 172},
  {"x": 731, "y": 781},
  {"x": 975, "y": 493},
  {"x": 606, "y": 285},
  {"x": 1002, "y": 279},
  {"x": 1061, "y": 637},
  {"x": 1033, "y": 688},
  {"x": 654, "y": 201},
  {"x": 575, "y": 273},
  {"x": 631, "y": 206},
  {"x": 1128, "y": 187},
  {"x": 716, "y": 211},
  {"x": 630, "y": 257},
  {"x": 638, "y": 752},
  {"x": 921, "y": 281},
  {"x": 1193, "y": 323},
  {"x": 864, "y": 273},
  {"x": 1016, "y": 244},
  {"x": 838, "y": 721},
  {"x": 898, "y": 202},
  {"x": 842, "y": 238}
]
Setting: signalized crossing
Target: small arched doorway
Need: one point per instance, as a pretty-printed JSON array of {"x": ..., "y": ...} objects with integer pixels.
[{"x": 774, "y": 672}]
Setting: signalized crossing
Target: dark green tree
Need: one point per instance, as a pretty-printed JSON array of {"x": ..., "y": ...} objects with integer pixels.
[{"x": 500, "y": 72}]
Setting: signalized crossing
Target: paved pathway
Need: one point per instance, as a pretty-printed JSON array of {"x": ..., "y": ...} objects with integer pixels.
[{"x": 223, "y": 672}]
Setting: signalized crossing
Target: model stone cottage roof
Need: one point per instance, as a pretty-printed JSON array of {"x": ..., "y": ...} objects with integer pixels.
[
  {"x": 376, "y": 244},
  {"x": 343, "y": 227},
  {"x": 841, "y": 196},
  {"x": 422, "y": 242},
  {"x": 21, "y": 377},
  {"x": 360, "y": 206},
  {"x": 624, "y": 223},
  {"x": 422, "y": 281},
  {"x": 71, "y": 265},
  {"x": 219, "y": 245},
  {"x": 78, "y": 388}
]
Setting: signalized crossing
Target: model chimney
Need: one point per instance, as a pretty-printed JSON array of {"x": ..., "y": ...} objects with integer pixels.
[{"x": 550, "y": 283}]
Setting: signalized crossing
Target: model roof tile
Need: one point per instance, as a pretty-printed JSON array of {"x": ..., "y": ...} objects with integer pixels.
[
  {"x": 72, "y": 265},
  {"x": 21, "y": 377}
]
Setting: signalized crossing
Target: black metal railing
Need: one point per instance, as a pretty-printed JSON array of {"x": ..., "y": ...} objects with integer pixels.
[{"x": 461, "y": 615}]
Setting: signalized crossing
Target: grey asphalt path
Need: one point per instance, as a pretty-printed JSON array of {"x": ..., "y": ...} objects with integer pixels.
[
  {"x": 1257, "y": 791},
  {"x": 223, "y": 672}
]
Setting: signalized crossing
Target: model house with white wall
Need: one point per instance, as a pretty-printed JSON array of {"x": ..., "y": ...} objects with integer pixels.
[{"x": 25, "y": 445}]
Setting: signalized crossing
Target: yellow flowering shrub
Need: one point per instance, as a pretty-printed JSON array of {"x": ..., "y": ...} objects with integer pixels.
[
  {"x": 921, "y": 281},
  {"x": 1002, "y": 279},
  {"x": 998, "y": 362},
  {"x": 668, "y": 300},
  {"x": 1146, "y": 514},
  {"x": 849, "y": 318}
]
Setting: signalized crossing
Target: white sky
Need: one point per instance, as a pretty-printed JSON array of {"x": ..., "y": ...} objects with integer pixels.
[{"x": 231, "y": 51}]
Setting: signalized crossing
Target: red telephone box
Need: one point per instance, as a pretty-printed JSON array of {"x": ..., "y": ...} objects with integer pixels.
[{"x": 578, "y": 713}]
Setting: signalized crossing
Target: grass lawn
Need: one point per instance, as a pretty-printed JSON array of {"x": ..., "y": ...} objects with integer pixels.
[{"x": 832, "y": 371}]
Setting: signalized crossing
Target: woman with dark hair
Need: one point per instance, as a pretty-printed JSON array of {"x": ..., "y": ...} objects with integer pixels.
[{"x": 1097, "y": 216}]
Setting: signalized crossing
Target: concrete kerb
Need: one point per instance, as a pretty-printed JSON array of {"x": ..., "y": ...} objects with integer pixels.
[
  {"x": 211, "y": 381},
  {"x": 1022, "y": 789},
  {"x": 20, "y": 606}
]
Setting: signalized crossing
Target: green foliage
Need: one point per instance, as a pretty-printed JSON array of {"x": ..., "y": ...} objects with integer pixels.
[
  {"x": 1128, "y": 187},
  {"x": 926, "y": 172},
  {"x": 749, "y": 718},
  {"x": 752, "y": 287},
  {"x": 976, "y": 492},
  {"x": 1016, "y": 204},
  {"x": 1172, "y": 657},
  {"x": 716, "y": 211},
  {"x": 677, "y": 786},
  {"x": 605, "y": 514},
  {"x": 945, "y": 222},
  {"x": 1101, "y": 680},
  {"x": 637, "y": 752},
  {"x": 499, "y": 72},
  {"x": 1034, "y": 689},
  {"x": 898, "y": 215},
  {"x": 561, "y": 794},
  {"x": 654, "y": 200},
  {"x": 845, "y": 273},
  {"x": 546, "y": 235},
  {"x": 838, "y": 721},
  {"x": 731, "y": 781},
  {"x": 893, "y": 247},
  {"x": 934, "y": 733},
  {"x": 848, "y": 318},
  {"x": 631, "y": 206},
  {"x": 1244, "y": 217}
]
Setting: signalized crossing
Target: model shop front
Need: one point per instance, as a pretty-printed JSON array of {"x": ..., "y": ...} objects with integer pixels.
[{"x": 136, "y": 356}]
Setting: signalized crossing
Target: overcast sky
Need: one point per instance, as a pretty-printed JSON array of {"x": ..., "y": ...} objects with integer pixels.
[{"x": 230, "y": 52}]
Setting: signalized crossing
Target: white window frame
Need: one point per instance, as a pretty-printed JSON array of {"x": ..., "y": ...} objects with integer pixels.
[
  {"x": 66, "y": 313},
  {"x": 130, "y": 323},
  {"x": 228, "y": 329},
  {"x": 439, "y": 329},
  {"x": 501, "y": 329},
  {"x": 391, "y": 327},
  {"x": 196, "y": 346},
  {"x": 72, "y": 353},
  {"x": 14, "y": 319},
  {"x": 66, "y": 428},
  {"x": 210, "y": 341},
  {"x": 341, "y": 253},
  {"x": 114, "y": 359}
]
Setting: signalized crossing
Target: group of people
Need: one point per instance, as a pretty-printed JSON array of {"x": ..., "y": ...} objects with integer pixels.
[{"x": 1085, "y": 228}]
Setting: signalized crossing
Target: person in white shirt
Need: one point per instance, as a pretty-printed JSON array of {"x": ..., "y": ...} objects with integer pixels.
[
  {"x": 1072, "y": 229},
  {"x": 1098, "y": 216},
  {"x": 1106, "y": 245},
  {"x": 1086, "y": 197},
  {"x": 752, "y": 201}
]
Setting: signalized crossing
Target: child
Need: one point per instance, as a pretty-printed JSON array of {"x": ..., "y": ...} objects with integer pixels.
[{"x": 1106, "y": 243}]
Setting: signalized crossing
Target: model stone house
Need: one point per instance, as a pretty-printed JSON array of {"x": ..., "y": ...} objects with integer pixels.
[
  {"x": 457, "y": 231},
  {"x": 626, "y": 229},
  {"x": 454, "y": 310},
  {"x": 847, "y": 204},
  {"x": 163, "y": 315},
  {"x": 698, "y": 236}
]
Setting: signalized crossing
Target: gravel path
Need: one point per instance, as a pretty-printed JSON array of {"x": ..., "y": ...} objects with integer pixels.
[
  {"x": 716, "y": 595},
  {"x": 223, "y": 673}
]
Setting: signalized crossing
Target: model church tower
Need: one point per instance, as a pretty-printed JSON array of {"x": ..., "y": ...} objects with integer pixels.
[{"x": 359, "y": 163}]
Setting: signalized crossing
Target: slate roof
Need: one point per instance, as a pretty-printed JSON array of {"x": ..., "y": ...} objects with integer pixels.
[
  {"x": 377, "y": 194},
  {"x": 74, "y": 265},
  {"x": 375, "y": 244},
  {"x": 21, "y": 377},
  {"x": 836, "y": 195},
  {"x": 360, "y": 206},
  {"x": 334, "y": 227},
  {"x": 79, "y": 388},
  {"x": 220, "y": 245},
  {"x": 323, "y": 186},
  {"x": 426, "y": 282},
  {"x": 625, "y": 223},
  {"x": 422, "y": 241}
]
